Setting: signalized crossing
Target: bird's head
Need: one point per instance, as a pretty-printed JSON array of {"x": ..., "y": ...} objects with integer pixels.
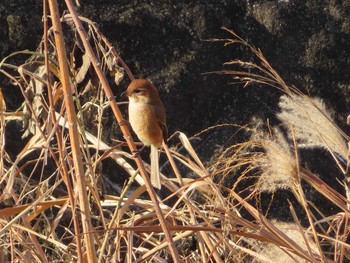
[{"x": 142, "y": 90}]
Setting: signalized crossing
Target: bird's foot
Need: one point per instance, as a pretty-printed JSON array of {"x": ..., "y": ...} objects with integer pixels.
[
  {"x": 138, "y": 152},
  {"x": 135, "y": 153}
]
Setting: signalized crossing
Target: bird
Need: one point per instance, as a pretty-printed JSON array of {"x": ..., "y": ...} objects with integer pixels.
[{"x": 147, "y": 118}]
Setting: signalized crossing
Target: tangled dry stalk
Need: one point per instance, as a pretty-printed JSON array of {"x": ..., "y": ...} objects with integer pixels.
[{"x": 53, "y": 203}]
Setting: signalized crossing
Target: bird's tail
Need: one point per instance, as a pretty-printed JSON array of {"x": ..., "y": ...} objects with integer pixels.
[{"x": 155, "y": 174}]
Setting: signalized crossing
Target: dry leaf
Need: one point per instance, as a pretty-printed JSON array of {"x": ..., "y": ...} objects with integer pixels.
[{"x": 84, "y": 68}]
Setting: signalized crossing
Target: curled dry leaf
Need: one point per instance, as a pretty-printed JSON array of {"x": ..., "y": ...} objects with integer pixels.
[
  {"x": 115, "y": 70},
  {"x": 83, "y": 69}
]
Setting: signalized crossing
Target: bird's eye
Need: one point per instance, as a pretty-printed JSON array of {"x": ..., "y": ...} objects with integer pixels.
[{"x": 139, "y": 90}]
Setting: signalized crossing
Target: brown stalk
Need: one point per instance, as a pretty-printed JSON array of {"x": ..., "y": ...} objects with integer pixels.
[
  {"x": 124, "y": 128},
  {"x": 297, "y": 222},
  {"x": 324, "y": 189},
  {"x": 73, "y": 132}
]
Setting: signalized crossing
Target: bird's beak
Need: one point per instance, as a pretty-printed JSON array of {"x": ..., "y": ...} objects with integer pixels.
[{"x": 124, "y": 94}]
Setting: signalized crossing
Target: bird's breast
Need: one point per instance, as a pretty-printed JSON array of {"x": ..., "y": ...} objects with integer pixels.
[{"x": 144, "y": 122}]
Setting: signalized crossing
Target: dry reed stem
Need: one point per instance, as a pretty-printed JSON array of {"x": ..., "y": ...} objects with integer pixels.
[
  {"x": 73, "y": 133},
  {"x": 57, "y": 131}
]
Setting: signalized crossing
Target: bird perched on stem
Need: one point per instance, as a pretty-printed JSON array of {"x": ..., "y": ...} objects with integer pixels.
[{"x": 148, "y": 120}]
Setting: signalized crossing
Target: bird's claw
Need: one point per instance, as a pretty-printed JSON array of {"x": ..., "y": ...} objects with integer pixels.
[{"x": 135, "y": 153}]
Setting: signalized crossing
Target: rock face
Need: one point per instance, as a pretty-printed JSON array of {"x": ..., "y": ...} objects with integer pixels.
[{"x": 306, "y": 41}]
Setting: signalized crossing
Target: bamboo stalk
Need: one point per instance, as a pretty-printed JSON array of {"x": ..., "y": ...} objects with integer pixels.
[
  {"x": 73, "y": 133},
  {"x": 63, "y": 169}
]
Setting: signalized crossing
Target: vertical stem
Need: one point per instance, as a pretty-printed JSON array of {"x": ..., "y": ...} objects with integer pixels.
[
  {"x": 73, "y": 132},
  {"x": 62, "y": 168}
]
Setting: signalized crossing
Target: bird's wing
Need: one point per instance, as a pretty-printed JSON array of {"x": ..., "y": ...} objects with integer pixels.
[
  {"x": 164, "y": 129},
  {"x": 161, "y": 117}
]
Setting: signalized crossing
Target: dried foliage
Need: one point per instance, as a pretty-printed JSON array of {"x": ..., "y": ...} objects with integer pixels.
[
  {"x": 41, "y": 209},
  {"x": 272, "y": 158},
  {"x": 312, "y": 124},
  {"x": 279, "y": 167}
]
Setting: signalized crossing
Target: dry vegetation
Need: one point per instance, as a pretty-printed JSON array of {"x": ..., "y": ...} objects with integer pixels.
[{"x": 60, "y": 213}]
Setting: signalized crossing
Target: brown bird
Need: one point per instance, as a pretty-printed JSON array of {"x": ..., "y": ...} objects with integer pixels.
[{"x": 148, "y": 120}]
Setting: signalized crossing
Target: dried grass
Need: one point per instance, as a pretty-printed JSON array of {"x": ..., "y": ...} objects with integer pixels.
[
  {"x": 277, "y": 162},
  {"x": 41, "y": 209},
  {"x": 312, "y": 124}
]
